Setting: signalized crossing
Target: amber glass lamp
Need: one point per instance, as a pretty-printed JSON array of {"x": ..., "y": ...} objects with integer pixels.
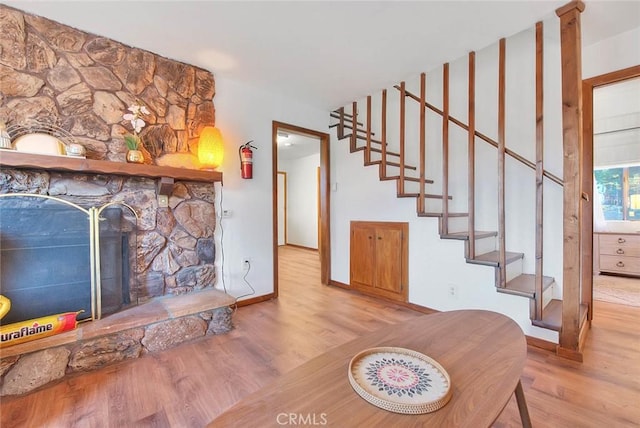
[{"x": 210, "y": 148}]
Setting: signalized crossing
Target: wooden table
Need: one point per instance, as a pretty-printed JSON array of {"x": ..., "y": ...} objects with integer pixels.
[{"x": 483, "y": 353}]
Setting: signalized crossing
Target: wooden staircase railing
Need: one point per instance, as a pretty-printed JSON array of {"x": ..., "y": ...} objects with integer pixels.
[{"x": 532, "y": 286}]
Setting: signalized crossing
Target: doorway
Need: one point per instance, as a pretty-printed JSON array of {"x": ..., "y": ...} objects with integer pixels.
[
  {"x": 611, "y": 108},
  {"x": 323, "y": 238}
]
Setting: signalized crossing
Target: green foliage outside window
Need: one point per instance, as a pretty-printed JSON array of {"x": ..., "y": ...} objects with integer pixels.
[{"x": 620, "y": 191}]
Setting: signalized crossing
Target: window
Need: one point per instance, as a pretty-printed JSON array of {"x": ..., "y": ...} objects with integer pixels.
[{"x": 619, "y": 189}]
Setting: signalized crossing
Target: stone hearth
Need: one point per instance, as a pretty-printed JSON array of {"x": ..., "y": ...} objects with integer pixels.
[{"x": 156, "y": 325}]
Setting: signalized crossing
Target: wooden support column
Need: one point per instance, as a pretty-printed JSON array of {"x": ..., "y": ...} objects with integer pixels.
[
  {"x": 383, "y": 135},
  {"x": 502, "y": 242},
  {"x": 471, "y": 200},
  {"x": 423, "y": 97},
  {"x": 571, "y": 58},
  {"x": 445, "y": 149},
  {"x": 341, "y": 124},
  {"x": 539, "y": 169},
  {"x": 403, "y": 101}
]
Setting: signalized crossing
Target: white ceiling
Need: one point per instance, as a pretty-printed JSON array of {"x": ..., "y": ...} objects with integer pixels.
[
  {"x": 324, "y": 53},
  {"x": 296, "y": 146}
]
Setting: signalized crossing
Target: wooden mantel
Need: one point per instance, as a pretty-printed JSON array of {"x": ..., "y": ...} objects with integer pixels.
[{"x": 13, "y": 159}]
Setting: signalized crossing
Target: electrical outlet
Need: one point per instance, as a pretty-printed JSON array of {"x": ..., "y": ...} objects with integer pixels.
[
  {"x": 226, "y": 213},
  {"x": 452, "y": 290}
]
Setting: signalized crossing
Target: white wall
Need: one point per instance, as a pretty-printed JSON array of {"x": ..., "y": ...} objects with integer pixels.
[
  {"x": 302, "y": 200},
  {"x": 246, "y": 113},
  {"x": 615, "y": 53}
]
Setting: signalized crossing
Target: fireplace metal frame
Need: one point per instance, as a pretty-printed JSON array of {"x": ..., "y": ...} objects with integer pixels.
[{"x": 93, "y": 214}]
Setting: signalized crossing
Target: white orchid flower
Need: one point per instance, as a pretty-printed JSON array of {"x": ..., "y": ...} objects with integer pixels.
[
  {"x": 134, "y": 117},
  {"x": 137, "y": 124}
]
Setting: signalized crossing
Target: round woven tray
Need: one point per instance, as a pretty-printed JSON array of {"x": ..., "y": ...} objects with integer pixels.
[{"x": 400, "y": 380}]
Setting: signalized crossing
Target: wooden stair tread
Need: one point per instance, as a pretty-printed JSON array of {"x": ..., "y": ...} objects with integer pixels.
[
  {"x": 346, "y": 117},
  {"x": 525, "y": 285},
  {"x": 363, "y": 137},
  {"x": 551, "y": 316},
  {"x": 397, "y": 177},
  {"x": 375, "y": 150},
  {"x": 432, "y": 214},
  {"x": 335, "y": 125},
  {"x": 492, "y": 258},
  {"x": 378, "y": 162},
  {"x": 464, "y": 236},
  {"x": 417, "y": 195}
]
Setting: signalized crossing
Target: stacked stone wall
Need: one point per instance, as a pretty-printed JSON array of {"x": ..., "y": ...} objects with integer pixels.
[{"x": 84, "y": 83}]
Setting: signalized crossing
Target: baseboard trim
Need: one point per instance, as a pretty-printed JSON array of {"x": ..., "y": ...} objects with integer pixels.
[
  {"x": 255, "y": 300},
  {"x": 413, "y": 306},
  {"x": 340, "y": 285},
  {"x": 570, "y": 354},
  {"x": 301, "y": 247},
  {"x": 542, "y": 344}
]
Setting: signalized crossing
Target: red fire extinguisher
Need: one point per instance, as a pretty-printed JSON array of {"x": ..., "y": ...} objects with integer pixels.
[{"x": 246, "y": 159}]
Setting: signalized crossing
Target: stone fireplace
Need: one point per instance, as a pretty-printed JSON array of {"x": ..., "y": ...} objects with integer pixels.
[
  {"x": 170, "y": 252},
  {"x": 83, "y": 83}
]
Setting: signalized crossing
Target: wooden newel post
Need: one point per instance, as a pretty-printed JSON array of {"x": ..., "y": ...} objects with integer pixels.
[{"x": 571, "y": 57}]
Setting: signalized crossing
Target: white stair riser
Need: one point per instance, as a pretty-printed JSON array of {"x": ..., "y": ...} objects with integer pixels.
[{"x": 514, "y": 269}]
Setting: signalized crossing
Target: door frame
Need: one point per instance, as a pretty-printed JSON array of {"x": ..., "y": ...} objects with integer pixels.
[
  {"x": 324, "y": 244},
  {"x": 284, "y": 201},
  {"x": 588, "y": 85}
]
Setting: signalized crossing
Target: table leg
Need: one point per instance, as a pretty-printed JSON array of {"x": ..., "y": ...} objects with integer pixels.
[{"x": 522, "y": 406}]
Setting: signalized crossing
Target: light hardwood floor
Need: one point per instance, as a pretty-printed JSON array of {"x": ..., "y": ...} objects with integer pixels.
[{"x": 190, "y": 385}]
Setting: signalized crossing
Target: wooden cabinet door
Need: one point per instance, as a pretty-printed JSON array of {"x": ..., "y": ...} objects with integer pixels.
[
  {"x": 388, "y": 258},
  {"x": 379, "y": 258},
  {"x": 362, "y": 250}
]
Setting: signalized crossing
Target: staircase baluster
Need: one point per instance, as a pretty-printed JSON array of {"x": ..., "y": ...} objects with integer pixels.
[
  {"x": 502, "y": 262},
  {"x": 367, "y": 151},
  {"x": 383, "y": 134},
  {"x": 341, "y": 124},
  {"x": 402, "y": 123},
  {"x": 471, "y": 154},
  {"x": 354, "y": 133},
  {"x": 539, "y": 300},
  {"x": 423, "y": 96},
  {"x": 445, "y": 149}
]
